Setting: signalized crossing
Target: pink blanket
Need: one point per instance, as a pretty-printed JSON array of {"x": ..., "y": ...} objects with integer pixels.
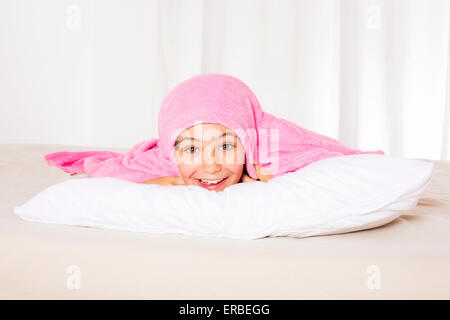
[{"x": 278, "y": 145}]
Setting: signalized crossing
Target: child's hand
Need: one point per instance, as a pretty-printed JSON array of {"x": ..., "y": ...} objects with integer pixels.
[
  {"x": 166, "y": 181},
  {"x": 260, "y": 173}
]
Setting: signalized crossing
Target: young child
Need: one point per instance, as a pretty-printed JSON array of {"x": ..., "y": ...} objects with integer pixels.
[
  {"x": 213, "y": 160},
  {"x": 213, "y": 133}
]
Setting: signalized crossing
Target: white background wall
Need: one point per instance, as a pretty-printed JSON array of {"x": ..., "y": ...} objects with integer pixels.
[{"x": 373, "y": 74}]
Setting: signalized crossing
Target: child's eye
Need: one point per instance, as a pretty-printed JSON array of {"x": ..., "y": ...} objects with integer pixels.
[
  {"x": 190, "y": 149},
  {"x": 231, "y": 146}
]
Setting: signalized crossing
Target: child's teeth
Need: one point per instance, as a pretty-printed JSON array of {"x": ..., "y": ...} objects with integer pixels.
[{"x": 212, "y": 181}]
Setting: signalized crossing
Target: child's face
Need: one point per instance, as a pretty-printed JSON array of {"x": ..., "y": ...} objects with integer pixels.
[{"x": 211, "y": 152}]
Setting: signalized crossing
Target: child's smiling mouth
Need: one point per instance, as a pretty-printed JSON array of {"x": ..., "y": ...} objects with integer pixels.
[{"x": 211, "y": 184}]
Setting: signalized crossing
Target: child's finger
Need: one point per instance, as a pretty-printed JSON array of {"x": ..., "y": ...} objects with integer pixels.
[
  {"x": 262, "y": 174},
  {"x": 258, "y": 171}
]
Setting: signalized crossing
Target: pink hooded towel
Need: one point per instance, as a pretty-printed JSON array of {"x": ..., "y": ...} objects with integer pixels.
[{"x": 278, "y": 145}]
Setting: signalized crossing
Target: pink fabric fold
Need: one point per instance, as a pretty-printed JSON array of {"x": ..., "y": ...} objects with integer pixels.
[{"x": 278, "y": 145}]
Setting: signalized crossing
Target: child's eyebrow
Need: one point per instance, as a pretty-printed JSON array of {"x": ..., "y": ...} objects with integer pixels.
[{"x": 228, "y": 133}]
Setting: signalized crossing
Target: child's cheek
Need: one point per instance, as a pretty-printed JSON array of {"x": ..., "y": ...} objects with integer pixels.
[
  {"x": 236, "y": 171},
  {"x": 186, "y": 171}
]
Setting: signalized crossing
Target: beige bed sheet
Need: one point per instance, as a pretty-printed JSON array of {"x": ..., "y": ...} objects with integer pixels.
[{"x": 407, "y": 259}]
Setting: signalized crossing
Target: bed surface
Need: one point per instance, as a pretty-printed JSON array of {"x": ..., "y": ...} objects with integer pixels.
[{"x": 411, "y": 255}]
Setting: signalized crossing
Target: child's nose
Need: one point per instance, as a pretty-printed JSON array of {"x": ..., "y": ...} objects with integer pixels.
[
  {"x": 211, "y": 168},
  {"x": 210, "y": 163}
]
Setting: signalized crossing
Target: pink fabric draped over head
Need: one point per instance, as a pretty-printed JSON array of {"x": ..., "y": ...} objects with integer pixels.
[{"x": 278, "y": 145}]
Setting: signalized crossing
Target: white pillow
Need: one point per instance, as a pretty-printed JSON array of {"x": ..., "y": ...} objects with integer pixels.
[{"x": 334, "y": 195}]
